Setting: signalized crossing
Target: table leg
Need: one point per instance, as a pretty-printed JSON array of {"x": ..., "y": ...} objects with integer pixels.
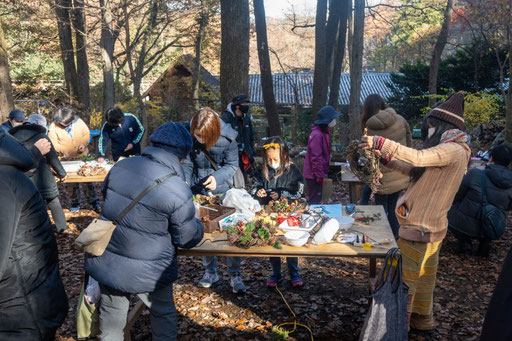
[
  {"x": 373, "y": 267},
  {"x": 133, "y": 316}
]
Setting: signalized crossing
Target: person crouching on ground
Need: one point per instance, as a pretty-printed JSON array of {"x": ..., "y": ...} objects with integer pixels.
[
  {"x": 318, "y": 154},
  {"x": 70, "y": 136},
  {"x": 29, "y": 133},
  {"x": 463, "y": 218},
  {"x": 279, "y": 178},
  {"x": 141, "y": 255},
  {"x": 436, "y": 172}
]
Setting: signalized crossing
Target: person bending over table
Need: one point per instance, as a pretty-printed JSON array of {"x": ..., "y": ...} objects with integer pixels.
[
  {"x": 124, "y": 130},
  {"x": 70, "y": 136},
  {"x": 278, "y": 178},
  {"x": 436, "y": 172},
  {"x": 216, "y": 138}
]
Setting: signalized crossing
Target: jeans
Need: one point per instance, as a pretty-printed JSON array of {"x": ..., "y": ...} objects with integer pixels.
[
  {"x": 74, "y": 194},
  {"x": 314, "y": 191},
  {"x": 367, "y": 193},
  {"x": 114, "y": 311},
  {"x": 233, "y": 263},
  {"x": 389, "y": 202},
  {"x": 292, "y": 262},
  {"x": 57, "y": 214}
]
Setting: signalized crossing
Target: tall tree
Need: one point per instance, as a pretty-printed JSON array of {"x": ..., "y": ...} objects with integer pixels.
[
  {"x": 82, "y": 65},
  {"x": 202, "y": 23},
  {"x": 320, "y": 75},
  {"x": 356, "y": 70},
  {"x": 6, "y": 98},
  {"x": 234, "y": 56},
  {"x": 274, "y": 128},
  {"x": 339, "y": 52},
  {"x": 107, "y": 42},
  {"x": 442, "y": 39},
  {"x": 62, "y": 11}
]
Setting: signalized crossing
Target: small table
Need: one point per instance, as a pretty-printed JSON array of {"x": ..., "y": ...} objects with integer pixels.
[
  {"x": 75, "y": 178},
  {"x": 355, "y": 186}
]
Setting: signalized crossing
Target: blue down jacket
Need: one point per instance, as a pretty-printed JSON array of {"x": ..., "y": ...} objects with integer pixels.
[
  {"x": 141, "y": 256},
  {"x": 225, "y": 154},
  {"x": 33, "y": 303}
]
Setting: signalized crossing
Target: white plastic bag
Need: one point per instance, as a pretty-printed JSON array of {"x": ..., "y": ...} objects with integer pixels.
[
  {"x": 242, "y": 201},
  {"x": 326, "y": 232},
  {"x": 92, "y": 291}
]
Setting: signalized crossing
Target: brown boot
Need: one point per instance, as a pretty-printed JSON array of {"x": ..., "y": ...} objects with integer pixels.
[{"x": 422, "y": 322}]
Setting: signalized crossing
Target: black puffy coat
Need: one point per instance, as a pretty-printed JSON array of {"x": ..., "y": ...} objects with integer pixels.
[
  {"x": 141, "y": 256},
  {"x": 290, "y": 184},
  {"x": 243, "y": 126},
  {"x": 463, "y": 215},
  {"x": 225, "y": 154},
  {"x": 41, "y": 176},
  {"x": 33, "y": 303}
]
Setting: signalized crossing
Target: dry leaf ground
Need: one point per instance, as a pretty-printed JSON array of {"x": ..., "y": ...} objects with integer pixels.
[{"x": 333, "y": 301}]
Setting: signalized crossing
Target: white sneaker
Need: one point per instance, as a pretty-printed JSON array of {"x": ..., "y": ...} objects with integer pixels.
[
  {"x": 208, "y": 280},
  {"x": 238, "y": 285}
]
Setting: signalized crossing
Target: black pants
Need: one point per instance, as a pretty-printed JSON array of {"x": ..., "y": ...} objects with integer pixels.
[
  {"x": 314, "y": 191},
  {"x": 484, "y": 245},
  {"x": 389, "y": 202}
]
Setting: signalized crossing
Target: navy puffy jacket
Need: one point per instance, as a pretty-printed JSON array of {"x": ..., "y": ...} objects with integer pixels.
[
  {"x": 225, "y": 154},
  {"x": 141, "y": 256}
]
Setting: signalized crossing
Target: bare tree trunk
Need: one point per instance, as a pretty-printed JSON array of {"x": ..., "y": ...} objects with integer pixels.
[
  {"x": 356, "y": 70},
  {"x": 339, "y": 53},
  {"x": 274, "y": 128},
  {"x": 320, "y": 76},
  {"x": 333, "y": 23},
  {"x": 6, "y": 98},
  {"x": 234, "y": 56},
  {"x": 203, "y": 21},
  {"x": 350, "y": 27},
  {"x": 82, "y": 65},
  {"x": 62, "y": 11},
  {"x": 107, "y": 54},
  {"x": 438, "y": 51}
]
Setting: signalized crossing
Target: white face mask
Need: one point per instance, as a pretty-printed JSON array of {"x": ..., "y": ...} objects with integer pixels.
[
  {"x": 274, "y": 165},
  {"x": 332, "y": 124},
  {"x": 431, "y": 132},
  {"x": 17, "y": 124}
]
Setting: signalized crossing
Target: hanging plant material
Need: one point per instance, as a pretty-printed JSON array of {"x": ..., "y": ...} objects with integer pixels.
[
  {"x": 257, "y": 233},
  {"x": 365, "y": 165}
]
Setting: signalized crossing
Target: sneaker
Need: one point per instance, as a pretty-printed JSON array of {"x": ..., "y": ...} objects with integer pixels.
[
  {"x": 207, "y": 280},
  {"x": 74, "y": 209},
  {"x": 273, "y": 280},
  {"x": 238, "y": 285},
  {"x": 296, "y": 280}
]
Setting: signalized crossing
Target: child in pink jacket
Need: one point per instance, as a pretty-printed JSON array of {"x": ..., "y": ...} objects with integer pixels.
[{"x": 318, "y": 154}]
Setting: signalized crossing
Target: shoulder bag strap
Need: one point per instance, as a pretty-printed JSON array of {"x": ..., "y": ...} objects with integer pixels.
[
  {"x": 214, "y": 165},
  {"x": 484, "y": 187},
  {"x": 141, "y": 195}
]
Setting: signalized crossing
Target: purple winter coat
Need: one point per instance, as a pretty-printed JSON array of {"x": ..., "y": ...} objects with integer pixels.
[{"x": 318, "y": 155}]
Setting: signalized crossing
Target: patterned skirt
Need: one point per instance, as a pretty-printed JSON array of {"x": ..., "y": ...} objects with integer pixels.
[{"x": 419, "y": 261}]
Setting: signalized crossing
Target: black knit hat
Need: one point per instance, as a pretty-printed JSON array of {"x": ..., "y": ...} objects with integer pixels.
[
  {"x": 240, "y": 99},
  {"x": 451, "y": 111}
]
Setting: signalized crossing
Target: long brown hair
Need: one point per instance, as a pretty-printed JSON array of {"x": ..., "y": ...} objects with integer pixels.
[
  {"x": 208, "y": 123},
  {"x": 372, "y": 105},
  {"x": 284, "y": 155}
]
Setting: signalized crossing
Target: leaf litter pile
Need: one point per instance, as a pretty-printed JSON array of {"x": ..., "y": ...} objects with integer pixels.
[{"x": 333, "y": 301}]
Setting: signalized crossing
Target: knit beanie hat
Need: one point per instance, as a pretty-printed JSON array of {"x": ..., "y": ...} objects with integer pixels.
[
  {"x": 451, "y": 111},
  {"x": 173, "y": 137}
]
